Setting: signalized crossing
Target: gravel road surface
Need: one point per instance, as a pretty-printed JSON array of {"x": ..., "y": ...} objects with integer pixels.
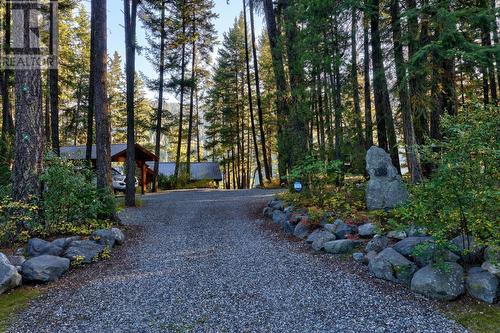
[{"x": 205, "y": 261}]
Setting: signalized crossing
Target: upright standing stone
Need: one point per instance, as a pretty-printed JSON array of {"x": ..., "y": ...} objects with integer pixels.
[{"x": 385, "y": 188}]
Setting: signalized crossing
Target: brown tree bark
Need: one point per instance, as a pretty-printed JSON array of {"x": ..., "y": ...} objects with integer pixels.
[
  {"x": 354, "y": 78},
  {"x": 159, "y": 111},
  {"x": 250, "y": 98},
  {"x": 385, "y": 123},
  {"x": 412, "y": 156},
  {"x": 7, "y": 121},
  {"x": 267, "y": 168},
  {"x": 282, "y": 105},
  {"x": 191, "y": 98},
  {"x": 100, "y": 98},
  {"x": 54, "y": 76},
  {"x": 182, "y": 84},
  {"x": 130, "y": 12},
  {"x": 29, "y": 141},
  {"x": 367, "y": 86}
]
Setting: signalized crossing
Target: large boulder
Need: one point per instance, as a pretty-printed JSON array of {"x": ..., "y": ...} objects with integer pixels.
[
  {"x": 279, "y": 217},
  {"x": 119, "y": 236},
  {"x": 340, "y": 229},
  {"x": 367, "y": 230},
  {"x": 64, "y": 242},
  {"x": 392, "y": 266},
  {"x": 9, "y": 277},
  {"x": 442, "y": 283},
  {"x": 16, "y": 260},
  {"x": 301, "y": 231},
  {"x": 84, "y": 251},
  {"x": 320, "y": 240},
  {"x": 493, "y": 269},
  {"x": 277, "y": 204},
  {"x": 104, "y": 237},
  {"x": 268, "y": 212},
  {"x": 312, "y": 237},
  {"x": 483, "y": 285},
  {"x": 430, "y": 253},
  {"x": 377, "y": 244},
  {"x": 468, "y": 249},
  {"x": 288, "y": 227},
  {"x": 38, "y": 247},
  {"x": 407, "y": 246},
  {"x": 44, "y": 268},
  {"x": 340, "y": 246},
  {"x": 385, "y": 187},
  {"x": 492, "y": 263},
  {"x": 397, "y": 234}
]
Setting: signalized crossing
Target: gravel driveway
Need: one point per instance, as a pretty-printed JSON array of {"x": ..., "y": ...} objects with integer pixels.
[{"x": 204, "y": 261}]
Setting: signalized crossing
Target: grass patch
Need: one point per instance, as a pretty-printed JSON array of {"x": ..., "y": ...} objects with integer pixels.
[
  {"x": 120, "y": 202},
  {"x": 476, "y": 317},
  {"x": 13, "y": 302}
]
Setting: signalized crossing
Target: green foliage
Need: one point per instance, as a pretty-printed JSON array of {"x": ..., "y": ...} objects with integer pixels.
[
  {"x": 317, "y": 176},
  {"x": 18, "y": 220},
  {"x": 166, "y": 182},
  {"x": 462, "y": 196},
  {"x": 5, "y": 157},
  {"x": 70, "y": 205},
  {"x": 70, "y": 195}
]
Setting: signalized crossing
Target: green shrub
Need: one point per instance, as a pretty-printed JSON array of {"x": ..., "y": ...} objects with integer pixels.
[
  {"x": 462, "y": 195},
  {"x": 18, "y": 220},
  {"x": 317, "y": 176},
  {"x": 70, "y": 196},
  {"x": 166, "y": 182}
]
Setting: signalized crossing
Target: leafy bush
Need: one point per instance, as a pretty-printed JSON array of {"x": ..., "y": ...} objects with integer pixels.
[
  {"x": 70, "y": 196},
  {"x": 462, "y": 196},
  {"x": 166, "y": 182},
  {"x": 70, "y": 205},
  {"x": 317, "y": 176},
  {"x": 18, "y": 220}
]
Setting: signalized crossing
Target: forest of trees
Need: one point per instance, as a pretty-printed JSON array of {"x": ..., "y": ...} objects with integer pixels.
[
  {"x": 322, "y": 78},
  {"x": 338, "y": 77}
]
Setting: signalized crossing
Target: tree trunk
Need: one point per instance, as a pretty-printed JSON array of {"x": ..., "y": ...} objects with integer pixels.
[
  {"x": 28, "y": 144},
  {"x": 418, "y": 76},
  {"x": 297, "y": 122},
  {"x": 385, "y": 122},
  {"x": 99, "y": 67},
  {"x": 412, "y": 156},
  {"x": 182, "y": 83},
  {"x": 130, "y": 13},
  {"x": 54, "y": 76},
  {"x": 198, "y": 123},
  {"x": 250, "y": 98},
  {"x": 159, "y": 111},
  {"x": 354, "y": 79},
  {"x": 282, "y": 106},
  {"x": 7, "y": 121},
  {"x": 191, "y": 98},
  {"x": 267, "y": 169},
  {"x": 90, "y": 114},
  {"x": 337, "y": 95},
  {"x": 367, "y": 87}
]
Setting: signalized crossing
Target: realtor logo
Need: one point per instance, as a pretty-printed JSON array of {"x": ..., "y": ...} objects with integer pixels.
[{"x": 32, "y": 35}]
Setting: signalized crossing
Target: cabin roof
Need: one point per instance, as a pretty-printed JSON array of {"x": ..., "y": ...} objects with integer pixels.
[{"x": 199, "y": 171}]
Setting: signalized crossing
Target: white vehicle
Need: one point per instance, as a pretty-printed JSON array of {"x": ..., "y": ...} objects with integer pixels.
[{"x": 119, "y": 181}]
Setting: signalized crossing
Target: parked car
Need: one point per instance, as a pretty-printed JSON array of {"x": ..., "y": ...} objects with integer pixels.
[{"x": 119, "y": 181}]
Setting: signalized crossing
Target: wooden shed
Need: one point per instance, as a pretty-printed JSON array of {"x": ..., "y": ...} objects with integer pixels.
[{"x": 118, "y": 154}]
